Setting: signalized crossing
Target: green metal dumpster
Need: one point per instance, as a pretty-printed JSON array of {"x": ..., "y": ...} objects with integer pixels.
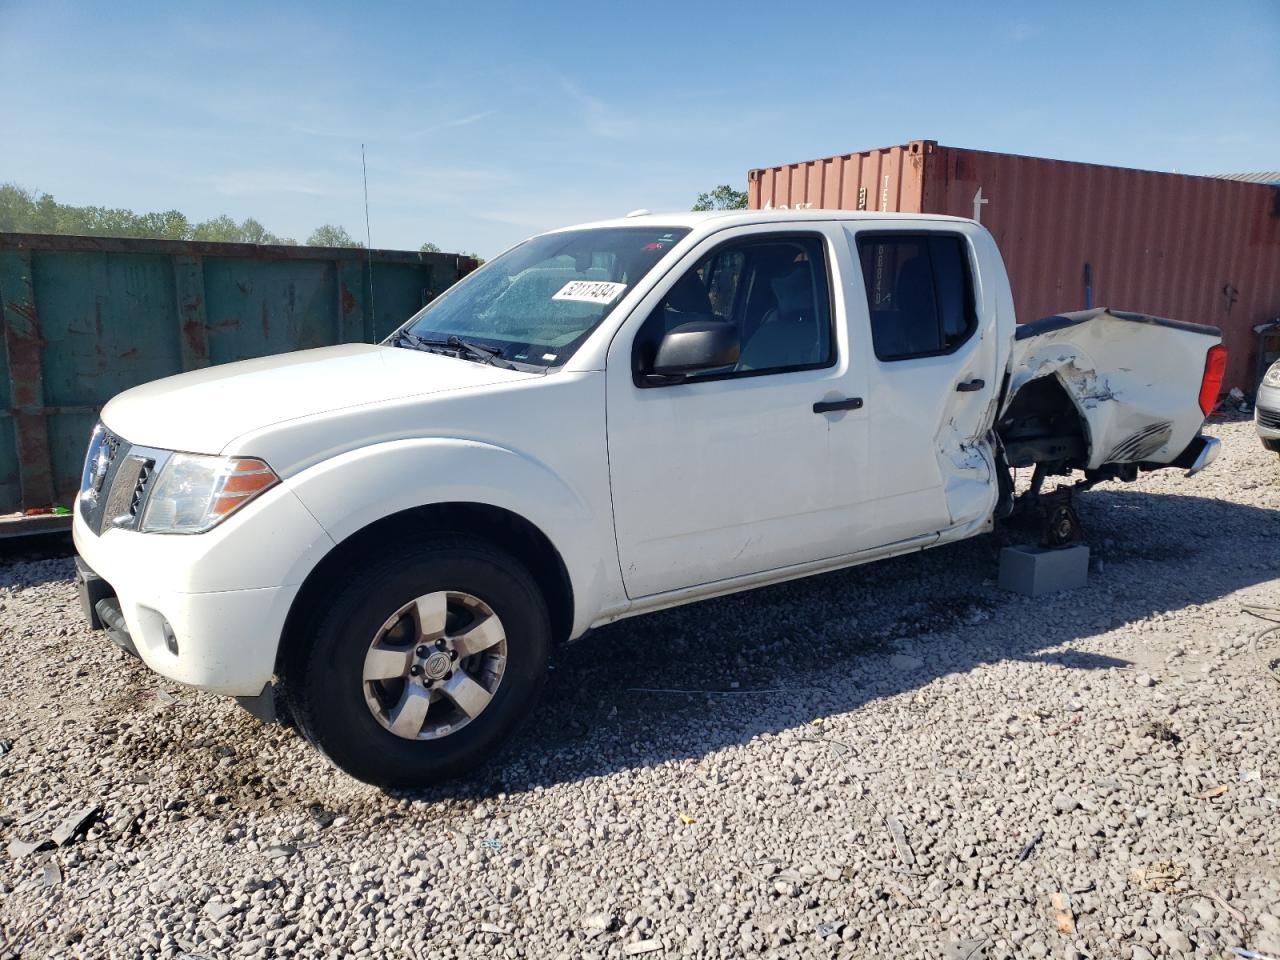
[{"x": 87, "y": 317}]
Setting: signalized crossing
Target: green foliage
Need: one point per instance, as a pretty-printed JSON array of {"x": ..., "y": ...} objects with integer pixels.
[
  {"x": 251, "y": 231},
  {"x": 330, "y": 235},
  {"x": 218, "y": 230},
  {"x": 723, "y": 197},
  {"x": 430, "y": 247},
  {"x": 23, "y": 211}
]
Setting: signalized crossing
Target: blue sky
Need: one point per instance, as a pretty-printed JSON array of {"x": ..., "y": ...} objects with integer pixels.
[{"x": 485, "y": 122}]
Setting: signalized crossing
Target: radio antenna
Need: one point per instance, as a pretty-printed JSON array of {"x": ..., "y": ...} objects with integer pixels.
[{"x": 368, "y": 238}]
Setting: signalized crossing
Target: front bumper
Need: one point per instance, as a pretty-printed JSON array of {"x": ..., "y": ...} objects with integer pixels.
[
  {"x": 101, "y": 607},
  {"x": 207, "y": 609},
  {"x": 1266, "y": 415}
]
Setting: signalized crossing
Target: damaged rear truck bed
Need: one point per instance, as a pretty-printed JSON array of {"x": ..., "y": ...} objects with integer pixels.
[{"x": 603, "y": 421}]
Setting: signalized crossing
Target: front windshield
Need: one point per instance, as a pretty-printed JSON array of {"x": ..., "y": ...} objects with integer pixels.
[{"x": 539, "y": 301}]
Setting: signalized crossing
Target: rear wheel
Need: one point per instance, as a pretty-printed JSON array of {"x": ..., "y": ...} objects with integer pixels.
[
  {"x": 1061, "y": 525},
  {"x": 422, "y": 664}
]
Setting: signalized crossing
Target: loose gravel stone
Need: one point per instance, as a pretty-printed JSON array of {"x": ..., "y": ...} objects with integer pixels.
[
  {"x": 1065, "y": 803},
  {"x": 641, "y": 947},
  {"x": 599, "y": 922},
  {"x": 1176, "y": 940},
  {"x": 216, "y": 910},
  {"x": 983, "y": 724}
]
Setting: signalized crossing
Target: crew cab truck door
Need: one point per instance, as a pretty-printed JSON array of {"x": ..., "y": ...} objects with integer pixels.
[
  {"x": 731, "y": 471},
  {"x": 934, "y": 376}
]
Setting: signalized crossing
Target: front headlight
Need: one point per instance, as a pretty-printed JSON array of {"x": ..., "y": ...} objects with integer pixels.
[
  {"x": 193, "y": 493},
  {"x": 1272, "y": 379}
]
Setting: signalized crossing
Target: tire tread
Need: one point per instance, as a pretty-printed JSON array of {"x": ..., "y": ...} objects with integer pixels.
[{"x": 299, "y": 671}]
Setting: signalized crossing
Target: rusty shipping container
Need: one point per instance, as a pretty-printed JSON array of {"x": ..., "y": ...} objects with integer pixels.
[
  {"x": 1076, "y": 235},
  {"x": 87, "y": 317}
]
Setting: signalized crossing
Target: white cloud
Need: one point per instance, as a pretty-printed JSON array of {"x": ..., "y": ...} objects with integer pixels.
[
  {"x": 464, "y": 121},
  {"x": 1022, "y": 30},
  {"x": 388, "y": 133},
  {"x": 241, "y": 183},
  {"x": 600, "y": 119}
]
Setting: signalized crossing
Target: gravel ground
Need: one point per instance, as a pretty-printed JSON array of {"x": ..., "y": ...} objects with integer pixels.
[{"x": 897, "y": 760}]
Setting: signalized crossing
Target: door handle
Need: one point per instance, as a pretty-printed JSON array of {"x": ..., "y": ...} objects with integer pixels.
[
  {"x": 970, "y": 386},
  {"x": 828, "y": 406}
]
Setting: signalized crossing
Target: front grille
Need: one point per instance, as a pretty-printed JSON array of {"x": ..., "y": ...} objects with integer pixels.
[
  {"x": 125, "y": 496},
  {"x": 111, "y": 478},
  {"x": 140, "y": 488},
  {"x": 1269, "y": 419}
]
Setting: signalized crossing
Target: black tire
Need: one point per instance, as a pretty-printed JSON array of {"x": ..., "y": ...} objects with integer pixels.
[{"x": 322, "y": 672}]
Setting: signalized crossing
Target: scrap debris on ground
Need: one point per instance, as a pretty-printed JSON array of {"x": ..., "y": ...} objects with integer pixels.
[{"x": 1087, "y": 775}]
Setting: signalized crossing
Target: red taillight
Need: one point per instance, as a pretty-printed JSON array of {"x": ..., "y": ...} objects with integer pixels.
[{"x": 1215, "y": 365}]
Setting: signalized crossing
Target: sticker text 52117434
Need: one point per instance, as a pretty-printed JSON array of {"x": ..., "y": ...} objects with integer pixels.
[{"x": 590, "y": 291}]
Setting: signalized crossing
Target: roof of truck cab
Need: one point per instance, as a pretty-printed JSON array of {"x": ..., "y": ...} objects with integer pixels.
[{"x": 727, "y": 218}]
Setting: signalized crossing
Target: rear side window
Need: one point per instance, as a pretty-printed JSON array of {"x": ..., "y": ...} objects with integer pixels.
[{"x": 919, "y": 293}]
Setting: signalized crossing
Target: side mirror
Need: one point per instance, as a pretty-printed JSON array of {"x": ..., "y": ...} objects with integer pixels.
[{"x": 697, "y": 346}]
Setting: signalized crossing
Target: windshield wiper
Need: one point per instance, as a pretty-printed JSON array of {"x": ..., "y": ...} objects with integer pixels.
[
  {"x": 488, "y": 354},
  {"x": 403, "y": 337},
  {"x": 474, "y": 350}
]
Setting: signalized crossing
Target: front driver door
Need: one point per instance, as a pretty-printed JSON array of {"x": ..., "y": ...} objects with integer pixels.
[{"x": 733, "y": 472}]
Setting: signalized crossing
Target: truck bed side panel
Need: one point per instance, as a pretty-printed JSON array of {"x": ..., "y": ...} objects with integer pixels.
[{"x": 1134, "y": 379}]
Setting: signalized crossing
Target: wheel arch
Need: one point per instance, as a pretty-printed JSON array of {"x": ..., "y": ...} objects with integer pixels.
[
  {"x": 1043, "y": 421},
  {"x": 498, "y": 526}
]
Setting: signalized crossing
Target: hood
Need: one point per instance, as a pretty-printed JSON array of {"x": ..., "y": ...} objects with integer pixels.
[{"x": 203, "y": 411}]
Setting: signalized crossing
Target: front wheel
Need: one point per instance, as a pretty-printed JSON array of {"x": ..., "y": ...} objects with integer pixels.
[{"x": 422, "y": 664}]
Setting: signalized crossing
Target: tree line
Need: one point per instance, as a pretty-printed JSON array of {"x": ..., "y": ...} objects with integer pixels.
[
  {"x": 26, "y": 211},
  {"x": 723, "y": 197}
]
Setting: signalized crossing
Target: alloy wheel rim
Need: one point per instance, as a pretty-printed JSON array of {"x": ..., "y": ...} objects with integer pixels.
[{"x": 434, "y": 665}]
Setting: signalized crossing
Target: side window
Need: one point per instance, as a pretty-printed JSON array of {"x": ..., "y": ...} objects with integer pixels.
[
  {"x": 919, "y": 293},
  {"x": 773, "y": 291}
]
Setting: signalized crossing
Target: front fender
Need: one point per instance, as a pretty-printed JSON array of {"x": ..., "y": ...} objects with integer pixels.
[{"x": 353, "y": 490}]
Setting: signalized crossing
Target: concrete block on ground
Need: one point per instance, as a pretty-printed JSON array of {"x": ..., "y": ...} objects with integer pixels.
[{"x": 1036, "y": 571}]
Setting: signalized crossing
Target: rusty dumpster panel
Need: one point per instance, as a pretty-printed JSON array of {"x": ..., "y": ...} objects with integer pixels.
[
  {"x": 1076, "y": 235},
  {"x": 87, "y": 317},
  {"x": 256, "y": 309}
]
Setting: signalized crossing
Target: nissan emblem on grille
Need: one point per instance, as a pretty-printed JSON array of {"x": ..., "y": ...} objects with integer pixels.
[{"x": 101, "y": 464}]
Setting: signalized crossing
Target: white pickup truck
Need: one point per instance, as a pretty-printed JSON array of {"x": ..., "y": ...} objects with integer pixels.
[{"x": 603, "y": 421}]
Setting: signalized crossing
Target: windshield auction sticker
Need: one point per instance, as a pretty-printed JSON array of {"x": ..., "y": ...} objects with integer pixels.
[{"x": 591, "y": 291}]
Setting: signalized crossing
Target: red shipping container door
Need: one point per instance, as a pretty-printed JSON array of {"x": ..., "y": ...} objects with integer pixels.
[{"x": 1201, "y": 249}]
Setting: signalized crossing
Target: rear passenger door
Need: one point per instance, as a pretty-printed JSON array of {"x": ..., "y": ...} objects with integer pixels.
[{"x": 934, "y": 379}]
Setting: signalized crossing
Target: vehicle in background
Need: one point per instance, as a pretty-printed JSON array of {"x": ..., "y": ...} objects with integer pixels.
[
  {"x": 604, "y": 421},
  {"x": 1266, "y": 409}
]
